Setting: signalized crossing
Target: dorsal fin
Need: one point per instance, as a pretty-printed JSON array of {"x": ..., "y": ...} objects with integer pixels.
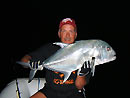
[{"x": 62, "y": 45}]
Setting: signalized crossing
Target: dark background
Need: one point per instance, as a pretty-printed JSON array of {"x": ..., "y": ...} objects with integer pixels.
[{"x": 28, "y": 25}]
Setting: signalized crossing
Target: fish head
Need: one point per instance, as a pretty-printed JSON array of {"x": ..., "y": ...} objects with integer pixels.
[{"x": 104, "y": 53}]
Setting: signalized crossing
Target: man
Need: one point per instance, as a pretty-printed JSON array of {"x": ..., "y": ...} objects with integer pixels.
[{"x": 54, "y": 87}]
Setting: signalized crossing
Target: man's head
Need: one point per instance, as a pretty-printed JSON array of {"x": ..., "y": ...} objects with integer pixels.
[{"x": 67, "y": 30}]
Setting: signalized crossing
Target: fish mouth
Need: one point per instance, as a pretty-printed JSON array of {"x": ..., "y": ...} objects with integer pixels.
[
  {"x": 112, "y": 59},
  {"x": 105, "y": 60}
]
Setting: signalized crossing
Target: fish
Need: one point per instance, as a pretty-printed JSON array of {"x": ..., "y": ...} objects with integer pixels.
[{"x": 71, "y": 57}]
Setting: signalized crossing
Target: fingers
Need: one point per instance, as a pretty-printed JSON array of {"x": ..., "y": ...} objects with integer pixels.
[
  {"x": 31, "y": 64},
  {"x": 86, "y": 64},
  {"x": 38, "y": 63},
  {"x": 34, "y": 65}
]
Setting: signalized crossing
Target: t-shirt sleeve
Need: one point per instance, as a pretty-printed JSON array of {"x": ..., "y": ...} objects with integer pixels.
[
  {"x": 40, "y": 53},
  {"x": 44, "y": 52}
]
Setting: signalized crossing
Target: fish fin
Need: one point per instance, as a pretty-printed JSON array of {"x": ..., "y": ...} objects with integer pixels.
[
  {"x": 62, "y": 45},
  {"x": 66, "y": 75},
  {"x": 31, "y": 75},
  {"x": 32, "y": 71},
  {"x": 23, "y": 64}
]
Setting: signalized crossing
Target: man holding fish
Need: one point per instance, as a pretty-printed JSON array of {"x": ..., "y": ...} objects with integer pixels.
[{"x": 55, "y": 86}]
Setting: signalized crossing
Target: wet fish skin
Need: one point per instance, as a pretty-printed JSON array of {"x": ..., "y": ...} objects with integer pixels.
[{"x": 72, "y": 56}]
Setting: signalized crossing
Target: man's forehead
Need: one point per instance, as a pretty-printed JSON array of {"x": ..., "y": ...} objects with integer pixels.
[{"x": 67, "y": 26}]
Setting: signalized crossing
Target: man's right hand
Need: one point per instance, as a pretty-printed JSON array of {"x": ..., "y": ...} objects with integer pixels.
[
  {"x": 35, "y": 64},
  {"x": 26, "y": 58}
]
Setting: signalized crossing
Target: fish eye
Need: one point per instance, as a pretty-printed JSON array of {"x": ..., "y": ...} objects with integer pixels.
[{"x": 108, "y": 48}]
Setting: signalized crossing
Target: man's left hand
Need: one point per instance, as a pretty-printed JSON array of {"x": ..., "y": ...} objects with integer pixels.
[{"x": 85, "y": 69}]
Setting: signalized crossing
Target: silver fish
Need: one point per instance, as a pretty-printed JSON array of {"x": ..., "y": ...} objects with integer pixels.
[{"x": 71, "y": 57}]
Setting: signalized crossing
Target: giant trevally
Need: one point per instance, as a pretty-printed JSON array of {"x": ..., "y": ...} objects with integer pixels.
[{"x": 71, "y": 57}]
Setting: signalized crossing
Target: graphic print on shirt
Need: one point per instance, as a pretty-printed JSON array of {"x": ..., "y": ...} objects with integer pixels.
[{"x": 61, "y": 79}]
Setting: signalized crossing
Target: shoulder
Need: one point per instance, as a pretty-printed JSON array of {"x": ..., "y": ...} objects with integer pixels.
[
  {"x": 50, "y": 45},
  {"x": 44, "y": 50},
  {"x": 49, "y": 48}
]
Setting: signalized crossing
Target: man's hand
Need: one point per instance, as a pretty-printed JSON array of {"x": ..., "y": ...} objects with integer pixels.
[
  {"x": 85, "y": 69},
  {"x": 35, "y": 65}
]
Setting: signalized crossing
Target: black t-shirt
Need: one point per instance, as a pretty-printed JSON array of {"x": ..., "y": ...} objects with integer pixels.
[{"x": 54, "y": 79}]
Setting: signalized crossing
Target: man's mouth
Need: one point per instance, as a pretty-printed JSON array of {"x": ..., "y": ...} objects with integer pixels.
[{"x": 67, "y": 39}]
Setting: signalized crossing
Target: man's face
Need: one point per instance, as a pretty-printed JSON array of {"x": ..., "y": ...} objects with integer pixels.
[{"x": 67, "y": 34}]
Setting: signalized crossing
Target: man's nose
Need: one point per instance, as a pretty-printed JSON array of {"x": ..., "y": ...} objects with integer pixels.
[{"x": 68, "y": 34}]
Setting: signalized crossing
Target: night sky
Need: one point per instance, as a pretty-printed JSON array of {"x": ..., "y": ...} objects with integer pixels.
[{"x": 34, "y": 24}]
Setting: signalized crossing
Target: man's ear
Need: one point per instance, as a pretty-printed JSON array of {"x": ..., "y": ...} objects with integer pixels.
[{"x": 76, "y": 35}]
